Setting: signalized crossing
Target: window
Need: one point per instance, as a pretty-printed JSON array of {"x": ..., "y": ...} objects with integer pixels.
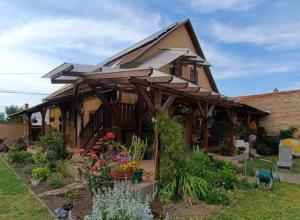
[{"x": 193, "y": 76}]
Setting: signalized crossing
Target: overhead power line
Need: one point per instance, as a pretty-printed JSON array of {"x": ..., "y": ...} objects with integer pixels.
[
  {"x": 22, "y": 73},
  {"x": 22, "y": 92}
]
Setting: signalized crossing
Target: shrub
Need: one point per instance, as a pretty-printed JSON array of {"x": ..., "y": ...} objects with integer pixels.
[
  {"x": 52, "y": 143},
  {"x": 220, "y": 131},
  {"x": 20, "y": 157},
  {"x": 172, "y": 145},
  {"x": 28, "y": 169},
  {"x": 197, "y": 177},
  {"x": 122, "y": 202},
  {"x": 41, "y": 173},
  {"x": 40, "y": 158},
  {"x": 55, "y": 180},
  {"x": 62, "y": 169},
  {"x": 267, "y": 144},
  {"x": 217, "y": 196}
]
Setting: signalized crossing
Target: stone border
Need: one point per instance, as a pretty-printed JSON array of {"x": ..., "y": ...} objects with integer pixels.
[{"x": 29, "y": 189}]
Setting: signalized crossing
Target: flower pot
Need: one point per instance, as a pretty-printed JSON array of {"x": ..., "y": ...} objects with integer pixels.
[
  {"x": 225, "y": 152},
  {"x": 137, "y": 176},
  {"x": 35, "y": 182},
  {"x": 121, "y": 175},
  {"x": 148, "y": 155}
]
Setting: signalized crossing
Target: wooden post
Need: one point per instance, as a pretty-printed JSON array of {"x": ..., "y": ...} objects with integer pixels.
[
  {"x": 157, "y": 105},
  {"x": 203, "y": 109},
  {"x": 29, "y": 126},
  {"x": 74, "y": 105},
  {"x": 43, "y": 113}
]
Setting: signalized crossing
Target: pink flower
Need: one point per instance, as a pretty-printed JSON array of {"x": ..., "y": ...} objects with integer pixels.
[
  {"x": 94, "y": 168},
  {"x": 110, "y": 135},
  {"x": 101, "y": 162},
  {"x": 94, "y": 156}
]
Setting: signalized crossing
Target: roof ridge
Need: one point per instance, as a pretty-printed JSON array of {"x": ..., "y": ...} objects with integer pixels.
[
  {"x": 269, "y": 93},
  {"x": 143, "y": 42}
]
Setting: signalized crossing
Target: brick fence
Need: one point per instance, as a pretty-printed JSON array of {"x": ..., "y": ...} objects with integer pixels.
[{"x": 284, "y": 108}]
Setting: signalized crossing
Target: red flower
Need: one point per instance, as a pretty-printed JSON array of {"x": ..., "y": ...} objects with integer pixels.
[
  {"x": 101, "y": 162},
  {"x": 110, "y": 135},
  {"x": 94, "y": 156},
  {"x": 94, "y": 168}
]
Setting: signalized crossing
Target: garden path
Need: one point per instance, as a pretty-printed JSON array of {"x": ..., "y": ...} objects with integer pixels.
[{"x": 289, "y": 177}]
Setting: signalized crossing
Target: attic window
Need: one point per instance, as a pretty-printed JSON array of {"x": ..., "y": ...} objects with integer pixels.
[{"x": 193, "y": 76}]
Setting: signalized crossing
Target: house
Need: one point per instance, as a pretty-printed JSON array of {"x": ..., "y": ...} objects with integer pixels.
[
  {"x": 284, "y": 107},
  {"x": 167, "y": 70}
]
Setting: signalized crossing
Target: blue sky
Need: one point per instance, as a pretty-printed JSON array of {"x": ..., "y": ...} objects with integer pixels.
[{"x": 254, "y": 45}]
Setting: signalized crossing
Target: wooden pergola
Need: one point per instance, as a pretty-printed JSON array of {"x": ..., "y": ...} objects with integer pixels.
[{"x": 159, "y": 90}]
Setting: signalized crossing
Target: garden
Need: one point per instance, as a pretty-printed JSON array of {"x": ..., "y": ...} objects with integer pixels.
[{"x": 108, "y": 180}]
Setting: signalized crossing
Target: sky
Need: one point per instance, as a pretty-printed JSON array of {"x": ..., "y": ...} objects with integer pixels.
[{"x": 253, "y": 45}]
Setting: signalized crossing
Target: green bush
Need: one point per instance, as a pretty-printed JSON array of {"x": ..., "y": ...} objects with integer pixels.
[
  {"x": 217, "y": 196},
  {"x": 220, "y": 131},
  {"x": 20, "y": 157},
  {"x": 55, "y": 180},
  {"x": 52, "y": 143},
  {"x": 40, "y": 158},
  {"x": 41, "y": 173},
  {"x": 172, "y": 145},
  {"x": 62, "y": 169},
  {"x": 267, "y": 144},
  {"x": 197, "y": 177}
]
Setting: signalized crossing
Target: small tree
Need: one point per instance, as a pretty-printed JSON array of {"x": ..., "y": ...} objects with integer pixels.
[
  {"x": 2, "y": 117},
  {"x": 9, "y": 110}
]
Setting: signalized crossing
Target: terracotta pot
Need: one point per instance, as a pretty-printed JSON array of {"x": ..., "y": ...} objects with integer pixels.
[{"x": 121, "y": 175}]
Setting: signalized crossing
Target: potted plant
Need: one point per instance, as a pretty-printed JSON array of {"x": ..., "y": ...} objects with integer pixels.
[
  {"x": 122, "y": 170},
  {"x": 137, "y": 150},
  {"x": 39, "y": 174}
]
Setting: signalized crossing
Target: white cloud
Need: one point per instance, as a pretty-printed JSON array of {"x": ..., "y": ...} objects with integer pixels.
[
  {"x": 39, "y": 45},
  {"x": 229, "y": 65},
  {"x": 232, "y": 5},
  {"x": 276, "y": 36}
]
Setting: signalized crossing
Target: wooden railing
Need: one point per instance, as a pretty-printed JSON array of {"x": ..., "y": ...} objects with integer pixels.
[
  {"x": 98, "y": 121},
  {"x": 126, "y": 115},
  {"x": 126, "y": 118}
]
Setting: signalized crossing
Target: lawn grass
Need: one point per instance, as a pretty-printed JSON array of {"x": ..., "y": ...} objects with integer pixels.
[
  {"x": 16, "y": 202},
  {"x": 283, "y": 203},
  {"x": 256, "y": 163}
]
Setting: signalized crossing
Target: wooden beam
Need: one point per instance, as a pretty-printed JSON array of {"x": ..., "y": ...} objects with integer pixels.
[
  {"x": 180, "y": 85},
  {"x": 168, "y": 103},
  {"x": 201, "y": 110},
  {"x": 120, "y": 74},
  {"x": 146, "y": 99},
  {"x": 101, "y": 97}
]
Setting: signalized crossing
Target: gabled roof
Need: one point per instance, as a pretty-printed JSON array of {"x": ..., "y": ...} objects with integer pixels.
[{"x": 134, "y": 52}]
